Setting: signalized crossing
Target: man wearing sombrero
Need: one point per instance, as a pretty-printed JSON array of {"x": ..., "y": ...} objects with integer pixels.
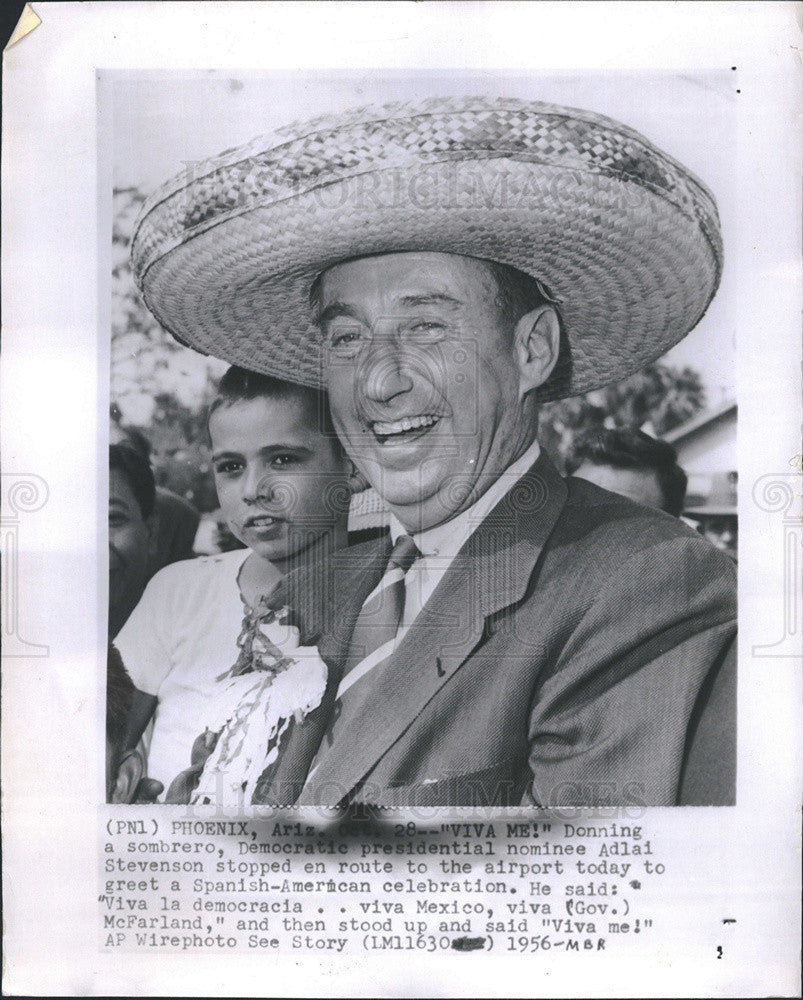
[{"x": 442, "y": 269}]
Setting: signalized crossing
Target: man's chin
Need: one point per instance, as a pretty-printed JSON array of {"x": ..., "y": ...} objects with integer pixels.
[
  {"x": 270, "y": 553},
  {"x": 420, "y": 509},
  {"x": 402, "y": 489}
]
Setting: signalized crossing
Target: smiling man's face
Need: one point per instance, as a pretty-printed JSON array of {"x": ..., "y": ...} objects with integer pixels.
[{"x": 424, "y": 379}]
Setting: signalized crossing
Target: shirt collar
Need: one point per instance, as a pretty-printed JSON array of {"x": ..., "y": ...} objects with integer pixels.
[{"x": 445, "y": 540}]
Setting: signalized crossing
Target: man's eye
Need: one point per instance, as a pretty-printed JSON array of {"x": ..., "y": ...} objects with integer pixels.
[
  {"x": 426, "y": 328},
  {"x": 345, "y": 339},
  {"x": 117, "y": 520},
  {"x": 283, "y": 461}
]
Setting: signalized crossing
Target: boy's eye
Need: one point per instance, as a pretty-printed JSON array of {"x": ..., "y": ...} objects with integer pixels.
[{"x": 228, "y": 467}]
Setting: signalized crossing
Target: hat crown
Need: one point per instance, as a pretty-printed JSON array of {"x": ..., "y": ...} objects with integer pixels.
[
  {"x": 626, "y": 238},
  {"x": 329, "y": 148}
]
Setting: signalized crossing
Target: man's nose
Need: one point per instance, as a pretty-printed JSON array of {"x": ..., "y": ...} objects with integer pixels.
[{"x": 383, "y": 374}]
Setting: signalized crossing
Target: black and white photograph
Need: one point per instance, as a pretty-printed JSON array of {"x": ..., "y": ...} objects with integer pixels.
[
  {"x": 447, "y": 323},
  {"x": 401, "y": 553}
]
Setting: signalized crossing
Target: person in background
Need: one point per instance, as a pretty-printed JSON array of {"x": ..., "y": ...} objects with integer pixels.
[
  {"x": 175, "y": 519},
  {"x": 119, "y": 692},
  {"x": 282, "y": 479},
  {"x": 132, "y": 495},
  {"x": 711, "y": 507},
  {"x": 635, "y": 465},
  {"x": 176, "y": 525},
  {"x": 720, "y": 530}
]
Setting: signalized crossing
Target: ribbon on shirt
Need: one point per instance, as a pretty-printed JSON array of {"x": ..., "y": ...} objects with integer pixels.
[{"x": 274, "y": 681}]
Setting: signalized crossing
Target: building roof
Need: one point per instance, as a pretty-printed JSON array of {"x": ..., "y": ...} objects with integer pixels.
[
  {"x": 700, "y": 422},
  {"x": 711, "y": 494}
]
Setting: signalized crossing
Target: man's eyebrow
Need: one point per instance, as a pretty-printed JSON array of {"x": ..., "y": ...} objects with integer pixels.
[
  {"x": 333, "y": 310},
  {"x": 430, "y": 299},
  {"x": 218, "y": 455}
]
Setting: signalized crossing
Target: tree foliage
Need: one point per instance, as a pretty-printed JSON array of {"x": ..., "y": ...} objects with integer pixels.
[
  {"x": 160, "y": 386},
  {"x": 657, "y": 399}
]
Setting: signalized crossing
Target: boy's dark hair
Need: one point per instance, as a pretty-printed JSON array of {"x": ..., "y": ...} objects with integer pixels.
[
  {"x": 632, "y": 449},
  {"x": 138, "y": 474},
  {"x": 238, "y": 384}
]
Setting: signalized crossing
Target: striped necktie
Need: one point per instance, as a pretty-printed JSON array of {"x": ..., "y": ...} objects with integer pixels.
[
  {"x": 377, "y": 624},
  {"x": 382, "y": 612}
]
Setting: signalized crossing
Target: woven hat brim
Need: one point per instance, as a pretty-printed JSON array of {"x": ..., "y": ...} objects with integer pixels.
[
  {"x": 623, "y": 235},
  {"x": 634, "y": 277}
]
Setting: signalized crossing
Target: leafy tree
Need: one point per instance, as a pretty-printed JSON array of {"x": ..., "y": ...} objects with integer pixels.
[
  {"x": 657, "y": 398},
  {"x": 160, "y": 387}
]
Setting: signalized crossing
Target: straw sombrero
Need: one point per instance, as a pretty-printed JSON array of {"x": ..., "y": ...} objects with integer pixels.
[{"x": 621, "y": 234}]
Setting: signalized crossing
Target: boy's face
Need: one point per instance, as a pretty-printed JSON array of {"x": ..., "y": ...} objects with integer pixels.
[{"x": 281, "y": 482}]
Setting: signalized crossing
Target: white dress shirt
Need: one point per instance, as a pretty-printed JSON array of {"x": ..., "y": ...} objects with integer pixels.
[{"x": 438, "y": 547}]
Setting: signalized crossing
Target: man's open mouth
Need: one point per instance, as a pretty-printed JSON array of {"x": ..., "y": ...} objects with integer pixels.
[{"x": 403, "y": 429}]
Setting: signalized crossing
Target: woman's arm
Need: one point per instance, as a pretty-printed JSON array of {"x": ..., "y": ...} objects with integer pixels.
[
  {"x": 142, "y": 708},
  {"x": 128, "y": 711}
]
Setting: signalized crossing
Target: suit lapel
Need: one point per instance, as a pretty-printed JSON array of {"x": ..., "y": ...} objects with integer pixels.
[
  {"x": 491, "y": 572},
  {"x": 325, "y": 597},
  {"x": 355, "y": 573}
]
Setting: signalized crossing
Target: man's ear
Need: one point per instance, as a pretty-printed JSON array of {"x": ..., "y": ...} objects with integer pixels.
[
  {"x": 131, "y": 783},
  {"x": 536, "y": 343}
]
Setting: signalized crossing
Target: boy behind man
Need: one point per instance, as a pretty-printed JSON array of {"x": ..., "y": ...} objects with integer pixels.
[{"x": 283, "y": 485}]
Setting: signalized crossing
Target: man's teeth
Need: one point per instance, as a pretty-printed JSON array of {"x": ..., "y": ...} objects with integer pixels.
[
  {"x": 262, "y": 521},
  {"x": 385, "y": 428}
]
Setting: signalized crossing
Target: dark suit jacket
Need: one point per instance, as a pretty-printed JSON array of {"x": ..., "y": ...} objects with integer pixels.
[{"x": 573, "y": 654}]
